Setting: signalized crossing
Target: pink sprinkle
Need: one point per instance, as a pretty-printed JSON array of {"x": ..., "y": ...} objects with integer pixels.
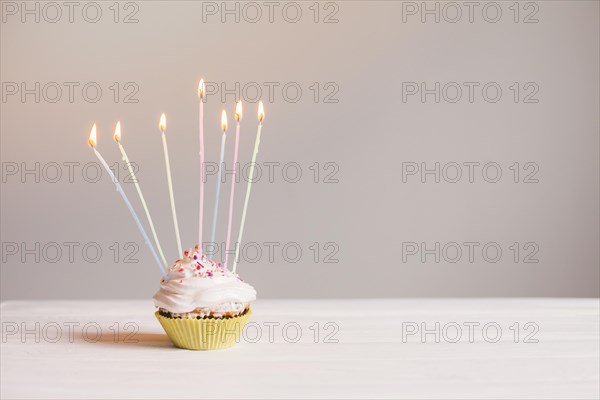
[
  {"x": 198, "y": 267},
  {"x": 181, "y": 269}
]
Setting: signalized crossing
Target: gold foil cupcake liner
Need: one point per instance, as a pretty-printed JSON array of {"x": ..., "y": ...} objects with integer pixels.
[{"x": 204, "y": 334}]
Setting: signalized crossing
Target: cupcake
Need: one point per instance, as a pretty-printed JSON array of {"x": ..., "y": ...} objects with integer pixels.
[{"x": 201, "y": 304}]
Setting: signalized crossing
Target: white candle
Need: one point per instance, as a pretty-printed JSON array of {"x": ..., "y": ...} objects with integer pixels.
[
  {"x": 218, "y": 192},
  {"x": 163, "y": 126},
  {"x": 117, "y": 138},
  {"x": 261, "y": 116}
]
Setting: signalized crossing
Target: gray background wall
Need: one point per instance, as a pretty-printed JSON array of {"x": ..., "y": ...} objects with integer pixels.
[{"x": 376, "y": 130}]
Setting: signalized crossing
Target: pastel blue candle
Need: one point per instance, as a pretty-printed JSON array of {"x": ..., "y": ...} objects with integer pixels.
[
  {"x": 218, "y": 194},
  {"x": 129, "y": 206}
]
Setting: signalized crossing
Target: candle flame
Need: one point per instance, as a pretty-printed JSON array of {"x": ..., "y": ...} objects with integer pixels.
[
  {"x": 117, "y": 135},
  {"x": 201, "y": 88},
  {"x": 163, "y": 123},
  {"x": 261, "y": 111},
  {"x": 224, "y": 121},
  {"x": 238, "y": 111},
  {"x": 92, "y": 137}
]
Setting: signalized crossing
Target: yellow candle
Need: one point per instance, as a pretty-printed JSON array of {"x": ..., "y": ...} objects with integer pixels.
[
  {"x": 117, "y": 138},
  {"x": 92, "y": 143},
  {"x": 261, "y": 116}
]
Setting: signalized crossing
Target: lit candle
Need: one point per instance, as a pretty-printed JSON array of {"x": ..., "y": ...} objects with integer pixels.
[
  {"x": 238, "y": 117},
  {"x": 201, "y": 91},
  {"x": 117, "y": 138},
  {"x": 218, "y": 192},
  {"x": 163, "y": 126},
  {"x": 92, "y": 143},
  {"x": 261, "y": 116}
]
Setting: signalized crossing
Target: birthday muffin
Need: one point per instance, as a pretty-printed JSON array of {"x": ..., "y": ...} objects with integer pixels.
[{"x": 202, "y": 305}]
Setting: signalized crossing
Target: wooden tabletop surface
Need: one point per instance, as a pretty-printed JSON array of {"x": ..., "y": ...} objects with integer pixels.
[{"x": 381, "y": 348}]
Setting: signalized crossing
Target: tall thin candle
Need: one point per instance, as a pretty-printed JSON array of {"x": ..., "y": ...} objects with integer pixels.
[
  {"x": 218, "y": 192},
  {"x": 238, "y": 117},
  {"x": 201, "y": 91},
  {"x": 117, "y": 137},
  {"x": 92, "y": 143},
  {"x": 261, "y": 116},
  {"x": 163, "y": 126}
]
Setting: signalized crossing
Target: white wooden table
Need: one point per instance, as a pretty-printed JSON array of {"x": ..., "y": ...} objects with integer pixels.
[{"x": 370, "y": 359}]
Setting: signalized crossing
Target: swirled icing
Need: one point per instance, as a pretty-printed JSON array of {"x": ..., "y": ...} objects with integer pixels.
[{"x": 197, "y": 282}]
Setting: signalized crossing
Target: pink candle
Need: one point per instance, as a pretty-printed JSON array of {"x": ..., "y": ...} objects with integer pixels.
[
  {"x": 238, "y": 117},
  {"x": 201, "y": 91}
]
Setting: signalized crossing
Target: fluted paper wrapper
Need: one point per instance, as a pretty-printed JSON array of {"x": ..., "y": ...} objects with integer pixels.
[{"x": 204, "y": 334}]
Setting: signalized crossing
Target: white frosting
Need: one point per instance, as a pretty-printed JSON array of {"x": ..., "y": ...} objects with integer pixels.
[{"x": 196, "y": 282}]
